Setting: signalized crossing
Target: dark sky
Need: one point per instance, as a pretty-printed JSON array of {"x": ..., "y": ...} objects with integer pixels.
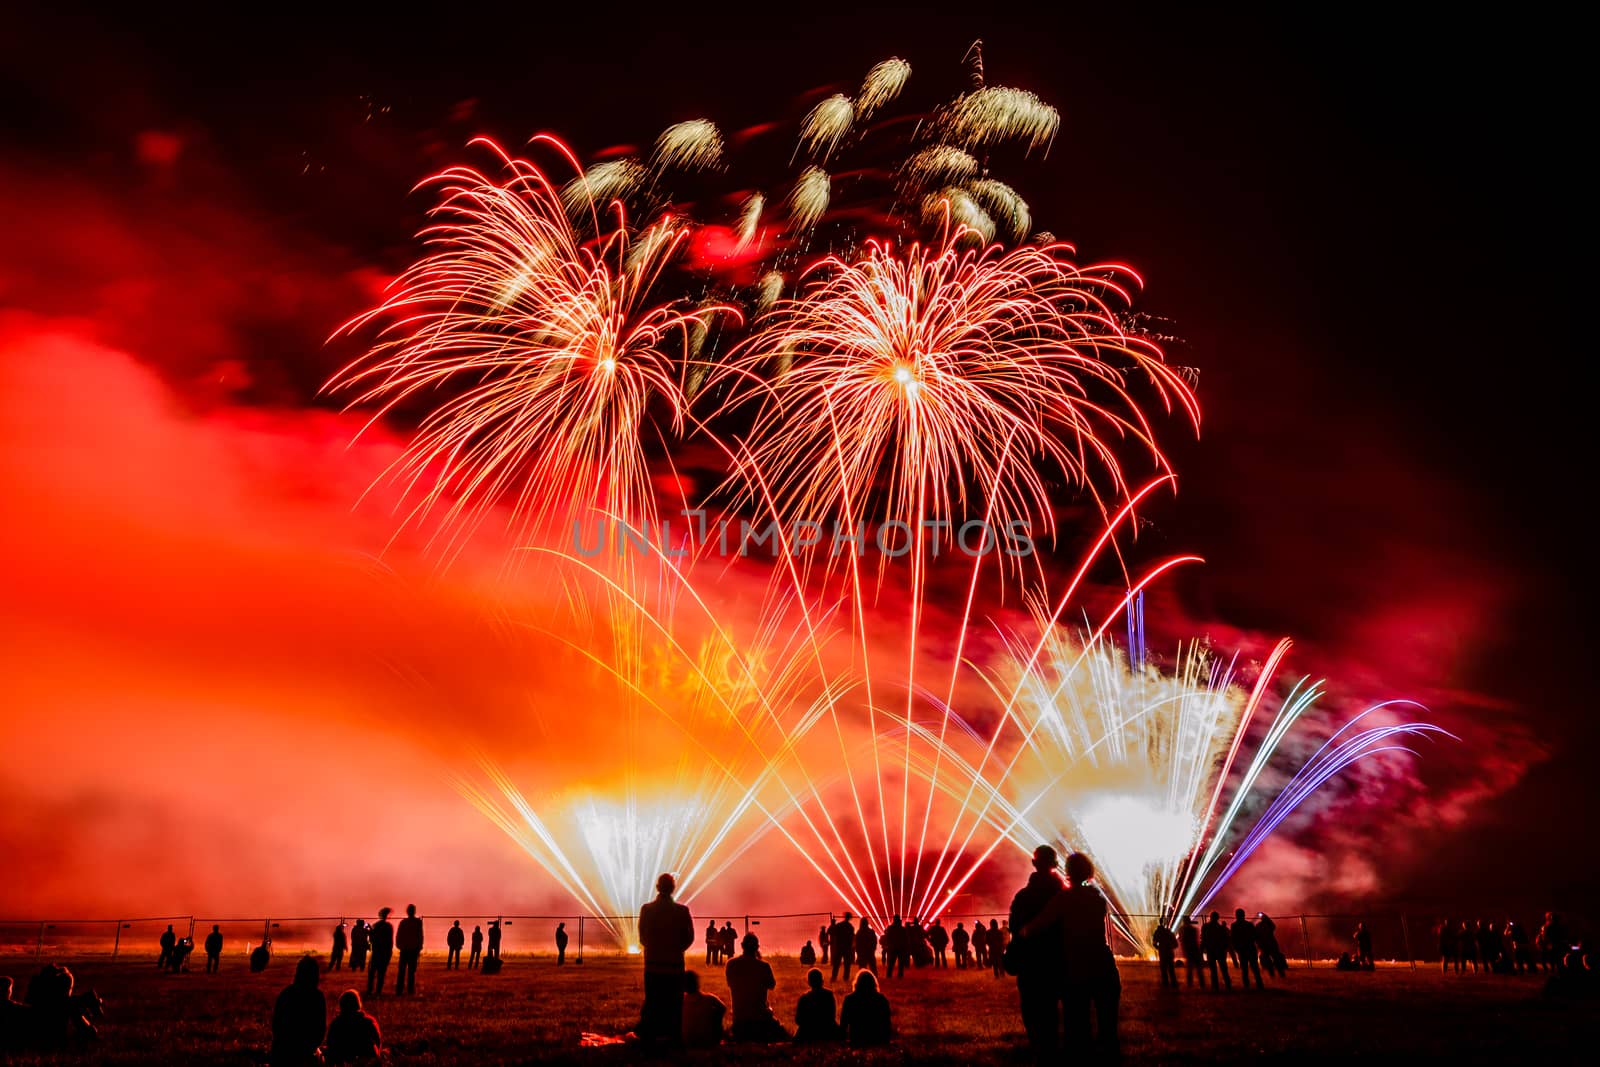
[{"x": 1365, "y": 226}]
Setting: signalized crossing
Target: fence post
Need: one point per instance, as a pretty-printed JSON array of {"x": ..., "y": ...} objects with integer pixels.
[
  {"x": 1305, "y": 935},
  {"x": 116, "y": 942},
  {"x": 580, "y": 939},
  {"x": 747, "y": 924},
  {"x": 38, "y": 949},
  {"x": 1405, "y": 934}
]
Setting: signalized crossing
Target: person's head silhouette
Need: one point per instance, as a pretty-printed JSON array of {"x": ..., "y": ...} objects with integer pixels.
[
  {"x": 866, "y": 981},
  {"x": 691, "y": 982},
  {"x": 666, "y": 884},
  {"x": 1216, "y": 917},
  {"x": 383, "y": 913},
  {"x": 1079, "y": 868},
  {"x": 216, "y": 928},
  {"x": 751, "y": 944},
  {"x": 411, "y": 911},
  {"x": 814, "y": 978},
  {"x": 349, "y": 1002},
  {"x": 307, "y": 971},
  {"x": 1238, "y": 914}
]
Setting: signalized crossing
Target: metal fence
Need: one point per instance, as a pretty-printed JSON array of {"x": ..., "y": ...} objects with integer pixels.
[{"x": 1309, "y": 939}]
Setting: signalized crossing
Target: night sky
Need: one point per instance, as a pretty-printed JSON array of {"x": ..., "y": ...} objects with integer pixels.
[{"x": 1366, "y": 230}]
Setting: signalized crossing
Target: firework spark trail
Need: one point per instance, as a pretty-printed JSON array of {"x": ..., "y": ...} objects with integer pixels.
[{"x": 553, "y": 344}]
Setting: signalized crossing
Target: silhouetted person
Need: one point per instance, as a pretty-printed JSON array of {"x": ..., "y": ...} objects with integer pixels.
[
  {"x": 938, "y": 940},
  {"x": 1448, "y": 955},
  {"x": 1521, "y": 947},
  {"x": 169, "y": 940},
  {"x": 1363, "y": 940},
  {"x": 1214, "y": 943},
  {"x": 995, "y": 942},
  {"x": 1092, "y": 979},
  {"x": 749, "y": 980},
  {"x": 380, "y": 939},
  {"x": 702, "y": 1014},
  {"x": 842, "y": 940},
  {"x": 214, "y": 949},
  {"x": 360, "y": 944},
  {"x": 1267, "y": 942},
  {"x": 180, "y": 955},
  {"x": 455, "y": 939},
  {"x": 477, "y": 948},
  {"x": 866, "y": 945},
  {"x": 815, "y": 1015},
  {"x": 808, "y": 955},
  {"x": 917, "y": 943},
  {"x": 561, "y": 944},
  {"x": 260, "y": 956},
  {"x": 896, "y": 948},
  {"x": 1041, "y": 964},
  {"x": 1243, "y": 939},
  {"x": 495, "y": 934},
  {"x": 341, "y": 940},
  {"x": 1488, "y": 945},
  {"x": 1165, "y": 943},
  {"x": 1189, "y": 938},
  {"x": 961, "y": 945},
  {"x": 666, "y": 932},
  {"x": 1555, "y": 942},
  {"x": 299, "y": 1018},
  {"x": 864, "y": 1017},
  {"x": 1467, "y": 945},
  {"x": 353, "y": 1036},
  {"x": 408, "y": 942},
  {"x": 713, "y": 944},
  {"x": 980, "y": 943},
  {"x": 822, "y": 942},
  {"x": 730, "y": 941}
]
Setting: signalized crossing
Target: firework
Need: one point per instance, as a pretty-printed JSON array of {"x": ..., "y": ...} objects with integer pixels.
[
  {"x": 938, "y": 165},
  {"x": 1002, "y": 203},
  {"x": 808, "y": 200},
  {"x": 750, "y": 220},
  {"x": 615, "y": 179},
  {"x": 826, "y": 125},
  {"x": 957, "y": 207},
  {"x": 549, "y": 352},
  {"x": 881, "y": 85},
  {"x": 692, "y": 145},
  {"x": 994, "y": 115}
]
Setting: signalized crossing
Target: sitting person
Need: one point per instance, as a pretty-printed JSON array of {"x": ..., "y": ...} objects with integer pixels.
[
  {"x": 353, "y": 1036},
  {"x": 808, "y": 956},
  {"x": 749, "y": 978},
  {"x": 814, "y": 1016},
  {"x": 702, "y": 1014},
  {"x": 865, "y": 1015},
  {"x": 260, "y": 956},
  {"x": 300, "y": 1017}
]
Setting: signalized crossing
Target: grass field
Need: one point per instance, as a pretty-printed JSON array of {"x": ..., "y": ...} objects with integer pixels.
[{"x": 534, "y": 1012}]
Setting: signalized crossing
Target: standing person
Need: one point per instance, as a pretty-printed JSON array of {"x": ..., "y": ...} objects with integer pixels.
[
  {"x": 353, "y": 1036},
  {"x": 822, "y": 943},
  {"x": 1267, "y": 942},
  {"x": 895, "y": 949},
  {"x": 1214, "y": 943},
  {"x": 938, "y": 940},
  {"x": 1446, "y": 933},
  {"x": 842, "y": 939},
  {"x": 455, "y": 939},
  {"x": 713, "y": 944},
  {"x": 1091, "y": 969},
  {"x": 1189, "y": 937},
  {"x": 749, "y": 980},
  {"x": 494, "y": 939},
  {"x": 980, "y": 945},
  {"x": 561, "y": 944},
  {"x": 1363, "y": 940},
  {"x": 1467, "y": 945},
  {"x": 1165, "y": 943},
  {"x": 866, "y": 945},
  {"x": 1243, "y": 939},
  {"x": 340, "y": 941},
  {"x": 961, "y": 944},
  {"x": 865, "y": 1016},
  {"x": 381, "y": 939},
  {"x": 1488, "y": 944},
  {"x": 168, "y": 942},
  {"x": 702, "y": 1014},
  {"x": 996, "y": 943},
  {"x": 299, "y": 1018},
  {"x": 408, "y": 939},
  {"x": 360, "y": 945},
  {"x": 1041, "y": 962},
  {"x": 213, "y": 948},
  {"x": 815, "y": 1016},
  {"x": 666, "y": 932},
  {"x": 730, "y": 940},
  {"x": 477, "y": 948}
]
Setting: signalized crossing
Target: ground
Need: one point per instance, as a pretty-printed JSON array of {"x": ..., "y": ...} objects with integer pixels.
[{"x": 535, "y": 1012}]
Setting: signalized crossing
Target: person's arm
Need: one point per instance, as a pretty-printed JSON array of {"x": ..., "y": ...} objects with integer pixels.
[{"x": 1050, "y": 913}]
